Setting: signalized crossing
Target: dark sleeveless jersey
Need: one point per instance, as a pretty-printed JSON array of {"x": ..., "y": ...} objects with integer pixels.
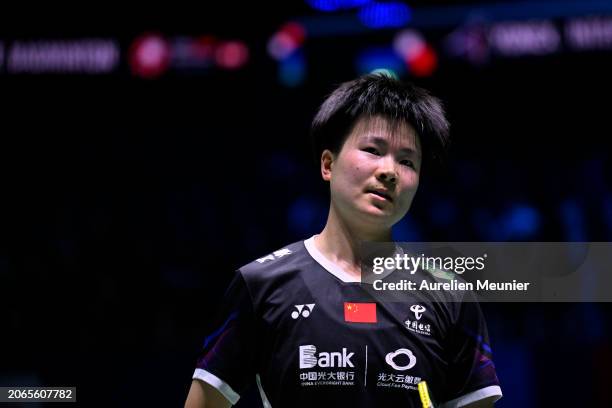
[{"x": 293, "y": 322}]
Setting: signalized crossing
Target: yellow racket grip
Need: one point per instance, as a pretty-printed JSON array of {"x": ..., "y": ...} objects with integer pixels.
[{"x": 424, "y": 395}]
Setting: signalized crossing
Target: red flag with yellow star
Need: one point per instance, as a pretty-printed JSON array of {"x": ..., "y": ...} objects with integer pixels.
[{"x": 360, "y": 312}]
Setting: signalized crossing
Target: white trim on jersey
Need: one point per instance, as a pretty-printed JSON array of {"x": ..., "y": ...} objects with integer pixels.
[
  {"x": 327, "y": 264},
  {"x": 262, "y": 394},
  {"x": 221, "y": 386},
  {"x": 492, "y": 390},
  {"x": 336, "y": 270}
]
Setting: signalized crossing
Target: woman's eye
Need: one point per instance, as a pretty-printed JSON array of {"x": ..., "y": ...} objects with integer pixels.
[
  {"x": 408, "y": 163},
  {"x": 371, "y": 150}
]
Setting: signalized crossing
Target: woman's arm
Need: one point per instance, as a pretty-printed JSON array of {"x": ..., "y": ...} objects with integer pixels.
[{"x": 203, "y": 395}]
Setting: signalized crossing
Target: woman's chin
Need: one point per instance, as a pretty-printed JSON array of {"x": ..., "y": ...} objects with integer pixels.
[{"x": 380, "y": 216}]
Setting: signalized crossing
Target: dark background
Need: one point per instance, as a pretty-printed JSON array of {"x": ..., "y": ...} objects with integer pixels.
[{"x": 128, "y": 202}]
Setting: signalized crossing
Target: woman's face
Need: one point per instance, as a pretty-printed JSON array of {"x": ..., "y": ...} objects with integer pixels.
[{"x": 375, "y": 176}]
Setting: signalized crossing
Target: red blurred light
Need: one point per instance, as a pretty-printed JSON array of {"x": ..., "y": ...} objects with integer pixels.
[
  {"x": 149, "y": 56},
  {"x": 281, "y": 45},
  {"x": 424, "y": 63},
  {"x": 295, "y": 31},
  {"x": 232, "y": 54}
]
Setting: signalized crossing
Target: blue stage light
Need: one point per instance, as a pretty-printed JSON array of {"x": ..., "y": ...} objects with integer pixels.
[
  {"x": 521, "y": 222},
  {"x": 292, "y": 71},
  {"x": 333, "y": 5},
  {"x": 306, "y": 216},
  {"x": 382, "y": 15}
]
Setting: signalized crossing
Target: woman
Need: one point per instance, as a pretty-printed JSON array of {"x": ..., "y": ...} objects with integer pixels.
[{"x": 299, "y": 321}]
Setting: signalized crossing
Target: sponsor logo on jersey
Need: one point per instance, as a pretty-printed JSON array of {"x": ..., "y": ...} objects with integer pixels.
[
  {"x": 275, "y": 255},
  {"x": 416, "y": 326},
  {"x": 418, "y": 311},
  {"x": 393, "y": 357},
  {"x": 400, "y": 360},
  {"x": 309, "y": 358},
  {"x": 302, "y": 310},
  {"x": 360, "y": 312}
]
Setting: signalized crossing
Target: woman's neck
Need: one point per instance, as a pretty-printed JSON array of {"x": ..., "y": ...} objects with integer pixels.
[{"x": 341, "y": 242}]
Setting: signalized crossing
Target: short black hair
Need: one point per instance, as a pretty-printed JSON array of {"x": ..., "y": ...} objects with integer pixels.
[{"x": 380, "y": 94}]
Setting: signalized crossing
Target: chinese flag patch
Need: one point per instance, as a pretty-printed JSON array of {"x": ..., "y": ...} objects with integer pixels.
[{"x": 360, "y": 312}]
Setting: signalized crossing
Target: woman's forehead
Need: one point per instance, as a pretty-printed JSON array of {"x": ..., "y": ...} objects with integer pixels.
[{"x": 394, "y": 131}]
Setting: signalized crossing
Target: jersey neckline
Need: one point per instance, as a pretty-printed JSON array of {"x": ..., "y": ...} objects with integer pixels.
[{"x": 328, "y": 265}]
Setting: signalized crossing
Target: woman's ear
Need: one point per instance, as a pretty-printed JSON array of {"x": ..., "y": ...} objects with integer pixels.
[{"x": 327, "y": 160}]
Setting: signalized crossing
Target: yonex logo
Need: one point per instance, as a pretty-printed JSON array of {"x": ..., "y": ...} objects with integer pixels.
[
  {"x": 302, "y": 311},
  {"x": 275, "y": 255},
  {"x": 418, "y": 311},
  {"x": 389, "y": 359},
  {"x": 309, "y": 358}
]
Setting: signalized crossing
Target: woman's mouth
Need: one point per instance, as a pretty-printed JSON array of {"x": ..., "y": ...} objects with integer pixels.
[{"x": 381, "y": 194}]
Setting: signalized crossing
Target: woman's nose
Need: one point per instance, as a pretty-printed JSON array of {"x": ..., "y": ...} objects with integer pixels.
[{"x": 386, "y": 172}]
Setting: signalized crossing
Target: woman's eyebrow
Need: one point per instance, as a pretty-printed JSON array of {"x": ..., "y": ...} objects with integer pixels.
[{"x": 383, "y": 142}]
